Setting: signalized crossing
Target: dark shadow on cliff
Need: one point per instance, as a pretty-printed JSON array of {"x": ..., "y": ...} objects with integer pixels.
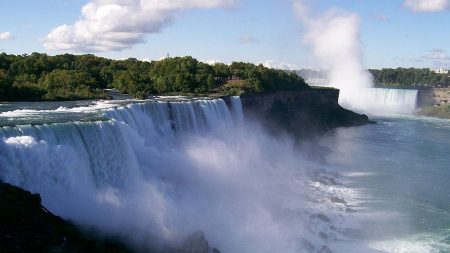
[
  {"x": 303, "y": 115},
  {"x": 27, "y": 226}
]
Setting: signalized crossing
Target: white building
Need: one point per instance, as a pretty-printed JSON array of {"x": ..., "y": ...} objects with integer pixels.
[{"x": 441, "y": 71}]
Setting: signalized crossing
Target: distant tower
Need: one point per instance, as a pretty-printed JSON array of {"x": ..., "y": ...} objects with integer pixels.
[{"x": 168, "y": 55}]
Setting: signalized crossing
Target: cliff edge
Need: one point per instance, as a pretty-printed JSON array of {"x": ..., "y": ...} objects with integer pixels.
[{"x": 301, "y": 113}]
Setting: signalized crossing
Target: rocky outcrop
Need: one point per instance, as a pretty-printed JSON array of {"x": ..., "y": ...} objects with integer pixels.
[
  {"x": 433, "y": 96},
  {"x": 27, "y": 226},
  {"x": 195, "y": 243},
  {"x": 302, "y": 113}
]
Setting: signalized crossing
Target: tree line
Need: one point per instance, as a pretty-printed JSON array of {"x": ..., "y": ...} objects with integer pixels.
[
  {"x": 39, "y": 77},
  {"x": 409, "y": 77}
]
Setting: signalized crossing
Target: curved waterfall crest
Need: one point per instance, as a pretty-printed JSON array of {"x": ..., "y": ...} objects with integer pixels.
[
  {"x": 380, "y": 100},
  {"x": 157, "y": 171}
]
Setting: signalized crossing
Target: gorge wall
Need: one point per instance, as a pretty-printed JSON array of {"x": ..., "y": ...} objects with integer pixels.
[
  {"x": 302, "y": 113},
  {"x": 435, "y": 96}
]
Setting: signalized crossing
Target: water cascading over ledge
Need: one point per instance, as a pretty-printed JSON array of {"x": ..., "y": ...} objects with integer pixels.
[
  {"x": 380, "y": 100},
  {"x": 101, "y": 151},
  {"x": 156, "y": 172},
  {"x": 142, "y": 170}
]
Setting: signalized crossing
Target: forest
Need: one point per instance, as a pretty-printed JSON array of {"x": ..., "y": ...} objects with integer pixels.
[
  {"x": 39, "y": 77},
  {"x": 409, "y": 78}
]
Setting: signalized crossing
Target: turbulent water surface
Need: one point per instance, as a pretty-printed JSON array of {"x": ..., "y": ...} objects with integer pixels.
[{"x": 156, "y": 171}]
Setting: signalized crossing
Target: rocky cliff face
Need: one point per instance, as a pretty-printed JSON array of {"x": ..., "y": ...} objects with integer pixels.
[
  {"x": 27, "y": 226},
  {"x": 301, "y": 113},
  {"x": 435, "y": 96}
]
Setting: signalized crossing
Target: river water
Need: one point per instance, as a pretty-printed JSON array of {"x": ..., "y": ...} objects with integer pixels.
[
  {"x": 401, "y": 168},
  {"x": 156, "y": 171}
]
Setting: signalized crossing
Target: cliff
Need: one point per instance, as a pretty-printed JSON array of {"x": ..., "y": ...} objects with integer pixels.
[
  {"x": 434, "y": 96},
  {"x": 434, "y": 102},
  {"x": 301, "y": 113},
  {"x": 27, "y": 226}
]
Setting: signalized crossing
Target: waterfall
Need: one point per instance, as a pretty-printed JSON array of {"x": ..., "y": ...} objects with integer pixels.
[
  {"x": 102, "y": 152},
  {"x": 380, "y": 100},
  {"x": 154, "y": 172},
  {"x": 236, "y": 109}
]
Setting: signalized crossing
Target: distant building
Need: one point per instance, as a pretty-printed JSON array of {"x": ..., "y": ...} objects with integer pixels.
[{"x": 441, "y": 71}]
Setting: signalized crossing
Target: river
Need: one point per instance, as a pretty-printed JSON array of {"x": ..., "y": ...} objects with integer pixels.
[{"x": 401, "y": 168}]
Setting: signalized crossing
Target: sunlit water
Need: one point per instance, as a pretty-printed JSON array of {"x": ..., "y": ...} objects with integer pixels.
[{"x": 155, "y": 171}]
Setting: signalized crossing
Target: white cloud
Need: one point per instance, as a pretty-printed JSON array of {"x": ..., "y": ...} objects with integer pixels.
[
  {"x": 427, "y": 5},
  {"x": 113, "y": 25},
  {"x": 247, "y": 39},
  {"x": 436, "y": 54},
  {"x": 6, "y": 36},
  {"x": 211, "y": 61},
  {"x": 275, "y": 65}
]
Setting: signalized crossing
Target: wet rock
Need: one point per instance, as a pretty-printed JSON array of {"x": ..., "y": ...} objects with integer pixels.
[
  {"x": 325, "y": 249},
  {"x": 323, "y": 235},
  {"x": 350, "y": 210},
  {"x": 215, "y": 250},
  {"x": 332, "y": 227},
  {"x": 306, "y": 245},
  {"x": 330, "y": 180},
  {"x": 338, "y": 200},
  {"x": 321, "y": 217},
  {"x": 353, "y": 233},
  {"x": 195, "y": 243}
]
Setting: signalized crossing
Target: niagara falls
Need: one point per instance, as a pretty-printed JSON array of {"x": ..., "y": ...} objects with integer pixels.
[{"x": 225, "y": 126}]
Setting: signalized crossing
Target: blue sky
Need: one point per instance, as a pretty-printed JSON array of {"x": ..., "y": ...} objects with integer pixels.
[{"x": 392, "y": 35}]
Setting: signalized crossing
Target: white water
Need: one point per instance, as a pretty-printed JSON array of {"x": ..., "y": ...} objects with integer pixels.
[
  {"x": 159, "y": 171},
  {"x": 379, "y": 100}
]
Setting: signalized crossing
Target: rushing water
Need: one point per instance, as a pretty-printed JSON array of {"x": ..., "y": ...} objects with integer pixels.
[
  {"x": 153, "y": 172},
  {"x": 374, "y": 101},
  {"x": 380, "y": 100}
]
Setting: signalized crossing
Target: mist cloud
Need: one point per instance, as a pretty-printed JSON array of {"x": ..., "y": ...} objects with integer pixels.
[
  {"x": 334, "y": 37},
  {"x": 114, "y": 25}
]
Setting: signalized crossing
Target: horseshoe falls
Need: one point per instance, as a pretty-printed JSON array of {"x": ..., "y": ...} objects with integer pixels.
[
  {"x": 380, "y": 101},
  {"x": 154, "y": 172}
]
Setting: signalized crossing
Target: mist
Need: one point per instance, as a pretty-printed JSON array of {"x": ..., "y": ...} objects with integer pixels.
[
  {"x": 335, "y": 39},
  {"x": 153, "y": 178}
]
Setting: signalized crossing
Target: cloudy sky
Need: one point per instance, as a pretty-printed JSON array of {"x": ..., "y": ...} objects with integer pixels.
[{"x": 390, "y": 33}]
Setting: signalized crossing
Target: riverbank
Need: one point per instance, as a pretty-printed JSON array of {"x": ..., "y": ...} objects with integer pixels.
[{"x": 438, "y": 111}]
